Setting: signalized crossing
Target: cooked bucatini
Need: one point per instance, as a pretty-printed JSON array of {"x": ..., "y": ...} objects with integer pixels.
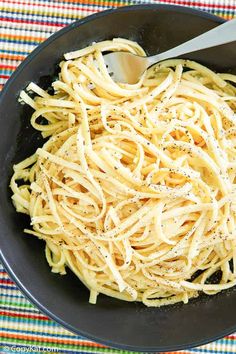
[{"x": 135, "y": 187}]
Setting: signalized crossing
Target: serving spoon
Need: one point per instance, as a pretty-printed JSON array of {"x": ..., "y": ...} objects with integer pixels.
[{"x": 127, "y": 68}]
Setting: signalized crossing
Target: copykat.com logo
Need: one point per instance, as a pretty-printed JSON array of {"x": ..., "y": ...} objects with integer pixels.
[{"x": 29, "y": 349}]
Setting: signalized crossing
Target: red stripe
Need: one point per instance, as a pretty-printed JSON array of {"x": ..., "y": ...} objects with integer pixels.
[
  {"x": 6, "y": 281},
  {"x": 8, "y": 66},
  {"x": 232, "y": 336},
  {"x": 4, "y": 76},
  {"x": 22, "y": 315}
]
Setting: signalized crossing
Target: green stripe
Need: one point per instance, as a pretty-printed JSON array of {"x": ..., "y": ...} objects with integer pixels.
[{"x": 18, "y": 304}]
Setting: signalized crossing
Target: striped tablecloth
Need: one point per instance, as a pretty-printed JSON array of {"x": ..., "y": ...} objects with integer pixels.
[{"x": 23, "y": 25}]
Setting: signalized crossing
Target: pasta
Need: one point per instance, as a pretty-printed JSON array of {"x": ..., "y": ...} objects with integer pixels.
[{"x": 135, "y": 188}]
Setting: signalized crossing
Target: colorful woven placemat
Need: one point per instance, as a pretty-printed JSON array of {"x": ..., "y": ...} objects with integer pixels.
[{"x": 23, "y": 25}]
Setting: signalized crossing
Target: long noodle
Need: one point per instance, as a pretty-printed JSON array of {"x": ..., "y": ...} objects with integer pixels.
[{"x": 135, "y": 188}]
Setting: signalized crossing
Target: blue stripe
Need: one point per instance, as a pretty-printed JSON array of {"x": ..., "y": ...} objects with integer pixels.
[
  {"x": 205, "y": 350},
  {"x": 20, "y": 309},
  {"x": 20, "y": 296},
  {"x": 9, "y": 287},
  {"x": 29, "y": 30},
  {"x": 20, "y": 41},
  {"x": 6, "y": 71},
  {"x": 17, "y": 52}
]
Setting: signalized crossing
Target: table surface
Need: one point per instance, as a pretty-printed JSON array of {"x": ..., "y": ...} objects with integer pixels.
[{"x": 23, "y": 25}]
